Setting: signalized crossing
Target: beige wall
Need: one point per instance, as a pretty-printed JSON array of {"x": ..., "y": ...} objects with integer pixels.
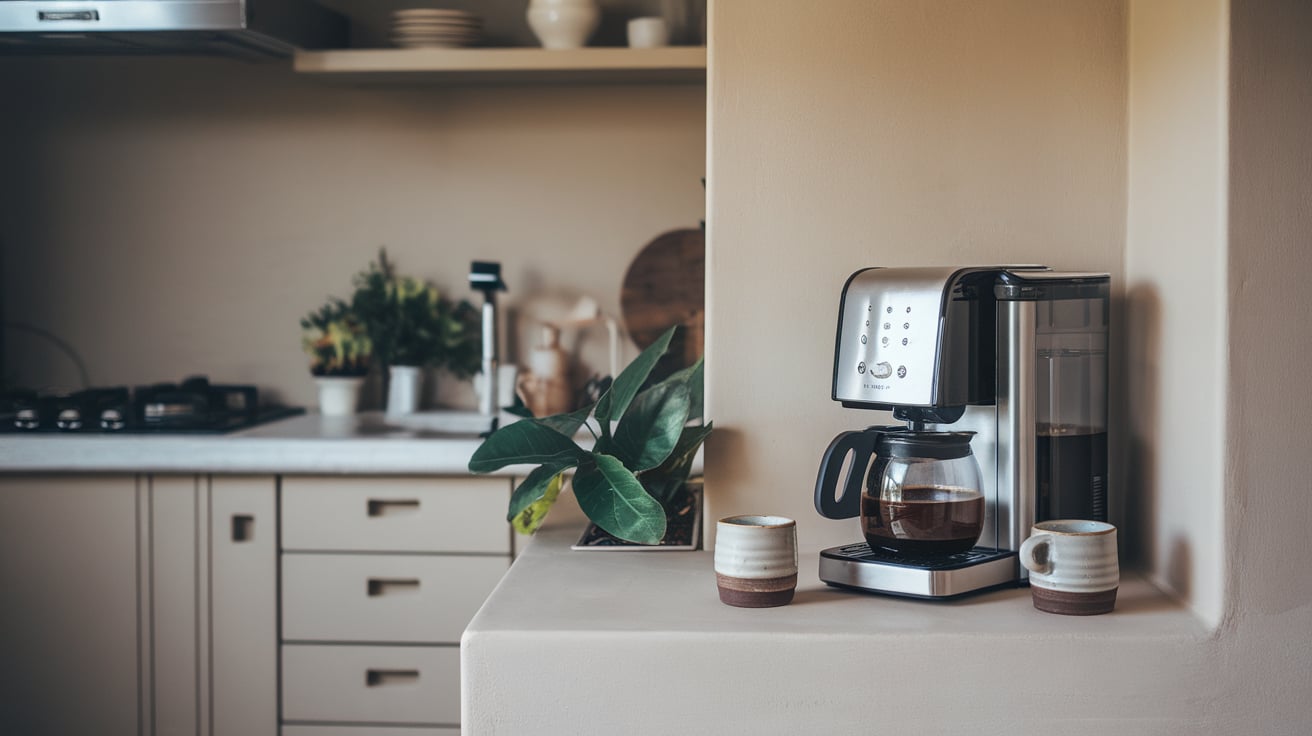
[
  {"x": 170, "y": 216},
  {"x": 1176, "y": 332},
  {"x": 885, "y": 133},
  {"x": 1268, "y": 471}
]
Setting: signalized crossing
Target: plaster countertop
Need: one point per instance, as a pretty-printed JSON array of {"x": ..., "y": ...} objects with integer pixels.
[
  {"x": 623, "y": 638},
  {"x": 436, "y": 443}
]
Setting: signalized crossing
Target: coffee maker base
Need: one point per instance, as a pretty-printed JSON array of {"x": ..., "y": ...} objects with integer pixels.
[{"x": 857, "y": 567}]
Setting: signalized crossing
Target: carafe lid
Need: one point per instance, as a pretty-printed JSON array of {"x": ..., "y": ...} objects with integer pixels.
[{"x": 926, "y": 445}]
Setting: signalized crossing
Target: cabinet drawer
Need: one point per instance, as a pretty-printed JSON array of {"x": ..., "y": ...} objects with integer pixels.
[
  {"x": 395, "y": 514},
  {"x": 355, "y": 684},
  {"x": 369, "y": 731},
  {"x": 384, "y": 598}
]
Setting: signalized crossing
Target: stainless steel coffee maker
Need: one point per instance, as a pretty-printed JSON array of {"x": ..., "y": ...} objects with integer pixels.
[{"x": 1000, "y": 374}]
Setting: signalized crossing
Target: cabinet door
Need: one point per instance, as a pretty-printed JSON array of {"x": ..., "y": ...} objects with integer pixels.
[
  {"x": 213, "y": 613},
  {"x": 176, "y": 588},
  {"x": 243, "y": 606},
  {"x": 69, "y": 626}
]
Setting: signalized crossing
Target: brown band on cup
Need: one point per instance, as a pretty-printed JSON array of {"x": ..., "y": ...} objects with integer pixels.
[
  {"x": 1073, "y": 604},
  {"x": 756, "y": 592}
]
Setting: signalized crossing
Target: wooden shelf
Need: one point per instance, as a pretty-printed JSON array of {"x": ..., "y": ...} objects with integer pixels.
[{"x": 669, "y": 65}]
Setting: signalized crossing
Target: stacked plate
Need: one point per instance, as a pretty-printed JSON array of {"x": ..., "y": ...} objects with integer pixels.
[{"x": 435, "y": 28}]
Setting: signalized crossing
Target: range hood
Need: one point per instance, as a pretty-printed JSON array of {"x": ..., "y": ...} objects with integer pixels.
[{"x": 246, "y": 28}]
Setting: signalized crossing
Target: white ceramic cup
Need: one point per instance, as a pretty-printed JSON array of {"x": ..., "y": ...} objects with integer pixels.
[
  {"x": 1073, "y": 566},
  {"x": 338, "y": 395},
  {"x": 648, "y": 33},
  {"x": 756, "y": 560}
]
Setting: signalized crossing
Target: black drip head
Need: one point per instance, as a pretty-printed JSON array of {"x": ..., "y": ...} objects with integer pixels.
[
  {"x": 485, "y": 276},
  {"x": 922, "y": 415}
]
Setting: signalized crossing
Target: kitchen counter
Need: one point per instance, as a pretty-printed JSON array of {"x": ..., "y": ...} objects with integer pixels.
[
  {"x": 638, "y": 642},
  {"x": 432, "y": 443}
]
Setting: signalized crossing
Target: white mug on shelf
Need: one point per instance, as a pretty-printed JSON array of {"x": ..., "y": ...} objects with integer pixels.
[{"x": 648, "y": 33}]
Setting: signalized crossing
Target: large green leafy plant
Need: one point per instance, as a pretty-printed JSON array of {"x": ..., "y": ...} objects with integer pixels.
[
  {"x": 411, "y": 323},
  {"x": 644, "y": 442}
]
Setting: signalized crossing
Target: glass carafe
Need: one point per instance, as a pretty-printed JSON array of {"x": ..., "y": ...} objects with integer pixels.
[{"x": 923, "y": 495}]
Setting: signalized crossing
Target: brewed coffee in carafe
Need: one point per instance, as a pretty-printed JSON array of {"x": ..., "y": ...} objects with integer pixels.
[{"x": 923, "y": 496}]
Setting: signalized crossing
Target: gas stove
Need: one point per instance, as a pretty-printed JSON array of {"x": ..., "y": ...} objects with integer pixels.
[{"x": 194, "y": 406}]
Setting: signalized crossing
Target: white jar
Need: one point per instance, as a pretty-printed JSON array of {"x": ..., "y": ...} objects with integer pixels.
[
  {"x": 404, "y": 382},
  {"x": 563, "y": 24}
]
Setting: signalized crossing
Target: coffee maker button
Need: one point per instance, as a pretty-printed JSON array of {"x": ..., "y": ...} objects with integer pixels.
[
  {"x": 863, "y": 339},
  {"x": 883, "y": 341},
  {"x": 881, "y": 370},
  {"x": 861, "y": 367},
  {"x": 901, "y": 371},
  {"x": 904, "y": 341}
]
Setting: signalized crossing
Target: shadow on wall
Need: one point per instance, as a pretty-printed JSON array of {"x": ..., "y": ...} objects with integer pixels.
[
  {"x": 1142, "y": 341},
  {"x": 728, "y": 445},
  {"x": 1143, "y": 381}
]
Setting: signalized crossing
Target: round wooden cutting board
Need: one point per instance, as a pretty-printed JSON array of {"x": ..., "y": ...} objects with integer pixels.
[{"x": 666, "y": 285}]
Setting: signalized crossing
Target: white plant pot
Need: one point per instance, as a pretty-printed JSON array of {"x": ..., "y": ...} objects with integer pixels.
[
  {"x": 403, "y": 384},
  {"x": 563, "y": 24},
  {"x": 338, "y": 395}
]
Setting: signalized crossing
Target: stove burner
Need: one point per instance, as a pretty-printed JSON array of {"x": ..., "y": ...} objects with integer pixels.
[{"x": 195, "y": 405}]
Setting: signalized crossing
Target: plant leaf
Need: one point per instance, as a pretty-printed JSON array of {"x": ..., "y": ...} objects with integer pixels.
[
  {"x": 695, "y": 376},
  {"x": 528, "y": 442},
  {"x": 568, "y": 424},
  {"x": 615, "y": 501},
  {"x": 671, "y": 475},
  {"x": 650, "y": 428},
  {"x": 534, "y": 498},
  {"x": 617, "y": 398}
]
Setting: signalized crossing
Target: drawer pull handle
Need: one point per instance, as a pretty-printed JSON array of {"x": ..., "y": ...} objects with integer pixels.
[
  {"x": 390, "y": 507},
  {"x": 383, "y": 586},
  {"x": 243, "y": 527},
  {"x": 379, "y": 678}
]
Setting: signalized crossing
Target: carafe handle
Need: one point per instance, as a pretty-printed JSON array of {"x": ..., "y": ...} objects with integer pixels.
[{"x": 847, "y": 504}]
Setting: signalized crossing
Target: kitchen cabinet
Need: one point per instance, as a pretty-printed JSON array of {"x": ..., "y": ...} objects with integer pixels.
[
  {"x": 70, "y": 631},
  {"x": 143, "y": 604},
  {"x": 138, "y": 605},
  {"x": 379, "y": 578}
]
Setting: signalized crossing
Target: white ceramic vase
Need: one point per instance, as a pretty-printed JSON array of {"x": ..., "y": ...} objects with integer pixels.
[
  {"x": 403, "y": 384},
  {"x": 338, "y": 395},
  {"x": 563, "y": 24}
]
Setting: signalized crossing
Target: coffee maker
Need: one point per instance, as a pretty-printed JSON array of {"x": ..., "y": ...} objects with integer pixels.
[{"x": 1009, "y": 361}]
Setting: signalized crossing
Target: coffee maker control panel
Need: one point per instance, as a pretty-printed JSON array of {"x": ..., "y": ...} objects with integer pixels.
[{"x": 890, "y": 333}]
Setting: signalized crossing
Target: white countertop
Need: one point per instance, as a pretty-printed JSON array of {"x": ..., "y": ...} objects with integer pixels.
[
  {"x": 430, "y": 443},
  {"x": 613, "y": 639}
]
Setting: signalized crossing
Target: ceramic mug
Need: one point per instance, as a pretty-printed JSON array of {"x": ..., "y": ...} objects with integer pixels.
[
  {"x": 648, "y": 33},
  {"x": 756, "y": 560},
  {"x": 1073, "y": 566}
]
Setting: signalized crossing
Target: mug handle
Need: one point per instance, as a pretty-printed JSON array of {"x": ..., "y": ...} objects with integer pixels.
[
  {"x": 848, "y": 503},
  {"x": 1028, "y": 558}
]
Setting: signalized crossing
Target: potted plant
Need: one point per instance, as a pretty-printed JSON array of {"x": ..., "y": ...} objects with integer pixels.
[
  {"x": 634, "y": 476},
  {"x": 339, "y": 350},
  {"x": 413, "y": 327}
]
